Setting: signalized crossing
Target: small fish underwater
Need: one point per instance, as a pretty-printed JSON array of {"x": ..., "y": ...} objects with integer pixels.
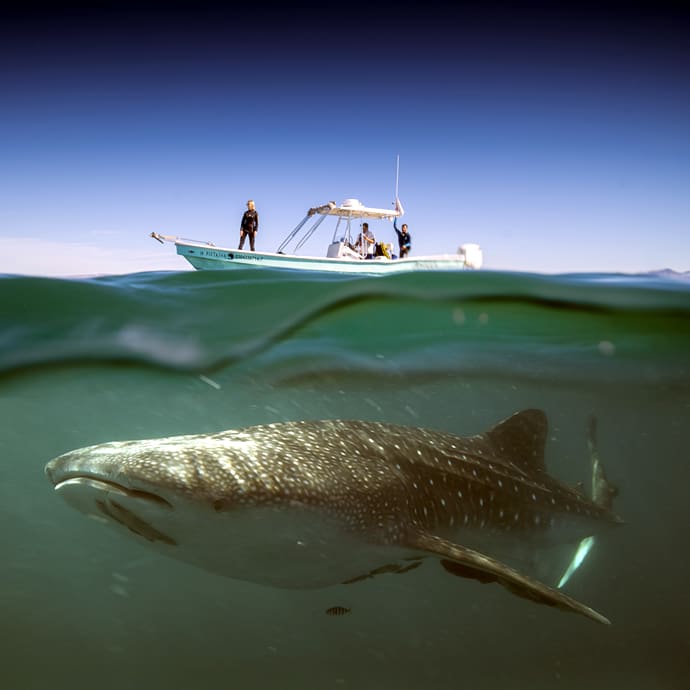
[{"x": 310, "y": 504}]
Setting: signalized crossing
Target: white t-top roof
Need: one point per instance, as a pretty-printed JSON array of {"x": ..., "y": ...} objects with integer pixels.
[{"x": 353, "y": 208}]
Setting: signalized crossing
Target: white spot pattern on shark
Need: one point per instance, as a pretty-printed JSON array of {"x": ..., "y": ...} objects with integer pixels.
[{"x": 316, "y": 503}]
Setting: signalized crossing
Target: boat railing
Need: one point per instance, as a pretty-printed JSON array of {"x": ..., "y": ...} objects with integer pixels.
[
  {"x": 295, "y": 232},
  {"x": 174, "y": 238}
]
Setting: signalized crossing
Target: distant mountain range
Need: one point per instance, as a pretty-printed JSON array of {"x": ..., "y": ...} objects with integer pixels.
[{"x": 669, "y": 273}]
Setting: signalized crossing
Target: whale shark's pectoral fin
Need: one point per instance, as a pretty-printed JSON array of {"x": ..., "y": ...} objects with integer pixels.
[{"x": 465, "y": 562}]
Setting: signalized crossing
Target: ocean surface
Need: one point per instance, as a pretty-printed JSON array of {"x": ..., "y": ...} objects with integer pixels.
[{"x": 85, "y": 607}]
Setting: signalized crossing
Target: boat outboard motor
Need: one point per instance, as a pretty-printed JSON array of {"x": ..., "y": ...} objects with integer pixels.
[{"x": 472, "y": 254}]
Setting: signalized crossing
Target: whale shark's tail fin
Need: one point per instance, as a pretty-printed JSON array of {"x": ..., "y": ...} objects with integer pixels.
[{"x": 603, "y": 493}]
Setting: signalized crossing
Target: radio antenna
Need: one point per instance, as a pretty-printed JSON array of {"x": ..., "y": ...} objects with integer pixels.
[{"x": 397, "y": 175}]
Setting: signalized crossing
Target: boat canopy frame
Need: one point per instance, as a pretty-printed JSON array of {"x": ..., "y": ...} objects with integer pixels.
[{"x": 349, "y": 210}]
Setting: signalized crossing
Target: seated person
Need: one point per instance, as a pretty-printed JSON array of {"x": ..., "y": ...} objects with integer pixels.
[{"x": 366, "y": 238}]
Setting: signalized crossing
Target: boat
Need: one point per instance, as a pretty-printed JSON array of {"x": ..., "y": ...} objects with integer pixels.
[{"x": 342, "y": 254}]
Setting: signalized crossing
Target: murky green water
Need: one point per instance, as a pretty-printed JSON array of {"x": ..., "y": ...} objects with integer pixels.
[{"x": 150, "y": 355}]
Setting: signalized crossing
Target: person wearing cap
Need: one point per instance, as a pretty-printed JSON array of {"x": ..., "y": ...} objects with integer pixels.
[{"x": 249, "y": 225}]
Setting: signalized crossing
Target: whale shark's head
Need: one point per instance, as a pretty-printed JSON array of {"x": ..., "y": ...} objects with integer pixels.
[
  {"x": 120, "y": 482},
  {"x": 203, "y": 499},
  {"x": 161, "y": 489},
  {"x": 160, "y": 471}
]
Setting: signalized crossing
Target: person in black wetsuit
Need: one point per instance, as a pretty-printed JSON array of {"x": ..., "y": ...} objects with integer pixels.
[
  {"x": 249, "y": 225},
  {"x": 404, "y": 239}
]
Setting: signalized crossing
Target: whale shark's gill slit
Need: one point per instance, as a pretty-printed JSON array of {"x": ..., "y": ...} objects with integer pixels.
[{"x": 133, "y": 523}]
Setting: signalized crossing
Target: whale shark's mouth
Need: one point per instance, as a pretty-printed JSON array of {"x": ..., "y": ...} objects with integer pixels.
[
  {"x": 85, "y": 491},
  {"x": 111, "y": 487}
]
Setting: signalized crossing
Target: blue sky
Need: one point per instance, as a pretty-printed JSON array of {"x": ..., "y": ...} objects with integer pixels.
[{"x": 558, "y": 140}]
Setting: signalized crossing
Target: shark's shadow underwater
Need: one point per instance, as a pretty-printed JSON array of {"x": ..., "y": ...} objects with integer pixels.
[{"x": 318, "y": 503}]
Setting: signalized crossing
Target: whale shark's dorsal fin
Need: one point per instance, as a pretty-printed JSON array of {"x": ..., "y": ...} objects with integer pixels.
[{"x": 522, "y": 437}]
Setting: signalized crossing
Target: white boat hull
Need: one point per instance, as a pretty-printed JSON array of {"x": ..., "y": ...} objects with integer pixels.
[{"x": 207, "y": 257}]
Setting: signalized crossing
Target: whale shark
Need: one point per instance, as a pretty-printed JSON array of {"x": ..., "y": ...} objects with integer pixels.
[{"x": 318, "y": 503}]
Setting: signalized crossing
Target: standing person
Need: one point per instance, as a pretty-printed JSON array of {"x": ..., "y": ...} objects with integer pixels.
[
  {"x": 404, "y": 239},
  {"x": 367, "y": 241},
  {"x": 249, "y": 225}
]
